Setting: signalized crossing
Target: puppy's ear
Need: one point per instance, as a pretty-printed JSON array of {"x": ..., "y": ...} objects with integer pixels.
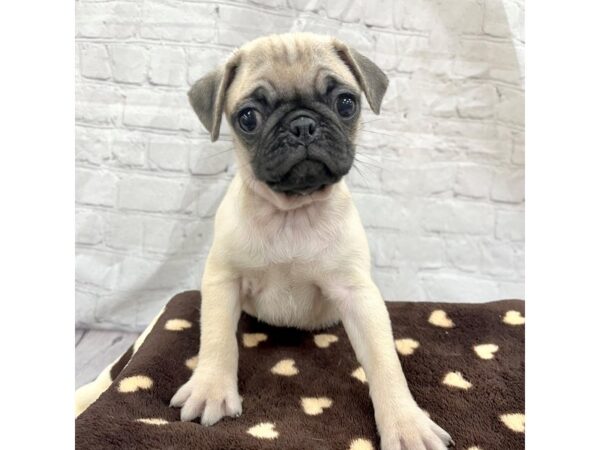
[
  {"x": 371, "y": 78},
  {"x": 207, "y": 96}
]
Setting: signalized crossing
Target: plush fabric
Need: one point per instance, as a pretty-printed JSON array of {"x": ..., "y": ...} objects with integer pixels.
[{"x": 302, "y": 390}]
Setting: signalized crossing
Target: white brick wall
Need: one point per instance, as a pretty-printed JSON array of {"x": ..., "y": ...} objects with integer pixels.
[{"x": 439, "y": 178}]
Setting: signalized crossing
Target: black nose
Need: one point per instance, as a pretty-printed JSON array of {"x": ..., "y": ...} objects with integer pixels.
[{"x": 303, "y": 127}]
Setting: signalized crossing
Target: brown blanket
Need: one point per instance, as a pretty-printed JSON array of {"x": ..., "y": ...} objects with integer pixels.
[{"x": 301, "y": 390}]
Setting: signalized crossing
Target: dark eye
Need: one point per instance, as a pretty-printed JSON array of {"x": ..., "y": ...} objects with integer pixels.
[
  {"x": 249, "y": 119},
  {"x": 346, "y": 106}
]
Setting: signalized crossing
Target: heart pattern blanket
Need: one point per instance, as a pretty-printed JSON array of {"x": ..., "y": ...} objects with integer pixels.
[{"x": 306, "y": 390}]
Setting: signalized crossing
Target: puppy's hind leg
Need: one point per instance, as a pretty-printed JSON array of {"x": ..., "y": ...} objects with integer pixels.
[{"x": 89, "y": 393}]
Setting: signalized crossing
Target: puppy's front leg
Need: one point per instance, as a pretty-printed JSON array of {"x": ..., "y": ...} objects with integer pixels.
[
  {"x": 212, "y": 393},
  {"x": 401, "y": 423}
]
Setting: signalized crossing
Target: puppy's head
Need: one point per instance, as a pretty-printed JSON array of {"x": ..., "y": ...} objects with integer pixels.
[{"x": 293, "y": 102}]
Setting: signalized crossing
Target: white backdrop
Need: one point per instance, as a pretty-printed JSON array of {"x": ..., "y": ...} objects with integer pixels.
[{"x": 440, "y": 179}]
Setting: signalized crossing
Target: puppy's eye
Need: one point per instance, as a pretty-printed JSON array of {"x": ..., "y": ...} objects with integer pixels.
[
  {"x": 249, "y": 120},
  {"x": 345, "y": 105}
]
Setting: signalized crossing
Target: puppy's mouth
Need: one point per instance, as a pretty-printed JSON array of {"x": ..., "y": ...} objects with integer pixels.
[{"x": 305, "y": 178}]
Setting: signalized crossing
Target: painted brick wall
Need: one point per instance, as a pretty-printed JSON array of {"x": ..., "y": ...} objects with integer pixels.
[{"x": 439, "y": 178}]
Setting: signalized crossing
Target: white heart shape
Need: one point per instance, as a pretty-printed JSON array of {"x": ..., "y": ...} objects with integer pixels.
[
  {"x": 439, "y": 318},
  {"x": 264, "y": 430},
  {"x": 360, "y": 375},
  {"x": 486, "y": 351},
  {"x": 135, "y": 383},
  {"x": 406, "y": 346},
  {"x": 153, "y": 421},
  {"x": 285, "y": 367},
  {"x": 313, "y": 406},
  {"x": 253, "y": 339},
  {"x": 325, "y": 340},
  {"x": 361, "y": 444},
  {"x": 455, "y": 379},
  {"x": 192, "y": 362},
  {"x": 513, "y": 318},
  {"x": 515, "y": 422},
  {"x": 177, "y": 324}
]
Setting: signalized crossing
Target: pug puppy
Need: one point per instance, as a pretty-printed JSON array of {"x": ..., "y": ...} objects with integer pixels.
[{"x": 289, "y": 247}]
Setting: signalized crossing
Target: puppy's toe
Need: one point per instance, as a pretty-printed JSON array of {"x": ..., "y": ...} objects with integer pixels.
[
  {"x": 181, "y": 396},
  {"x": 214, "y": 411},
  {"x": 442, "y": 434},
  {"x": 192, "y": 408},
  {"x": 413, "y": 430},
  {"x": 233, "y": 405},
  {"x": 413, "y": 443},
  {"x": 433, "y": 442}
]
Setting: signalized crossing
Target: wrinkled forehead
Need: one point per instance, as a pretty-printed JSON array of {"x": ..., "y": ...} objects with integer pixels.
[{"x": 287, "y": 67}]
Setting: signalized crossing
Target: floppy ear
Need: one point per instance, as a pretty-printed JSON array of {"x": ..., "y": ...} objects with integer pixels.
[
  {"x": 207, "y": 96},
  {"x": 371, "y": 78}
]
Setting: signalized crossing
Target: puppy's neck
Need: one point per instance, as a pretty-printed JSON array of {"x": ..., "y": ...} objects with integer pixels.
[
  {"x": 298, "y": 218},
  {"x": 267, "y": 199}
]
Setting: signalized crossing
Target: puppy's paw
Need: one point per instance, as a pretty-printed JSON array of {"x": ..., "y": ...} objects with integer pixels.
[
  {"x": 413, "y": 430},
  {"x": 209, "y": 397}
]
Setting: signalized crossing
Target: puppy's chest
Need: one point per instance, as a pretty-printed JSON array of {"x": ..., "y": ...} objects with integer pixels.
[
  {"x": 285, "y": 295},
  {"x": 290, "y": 238}
]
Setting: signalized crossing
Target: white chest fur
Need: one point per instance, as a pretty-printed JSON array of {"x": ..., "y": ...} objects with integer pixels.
[
  {"x": 284, "y": 258},
  {"x": 286, "y": 295}
]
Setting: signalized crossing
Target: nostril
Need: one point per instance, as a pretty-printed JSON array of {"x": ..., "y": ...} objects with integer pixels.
[{"x": 303, "y": 126}]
